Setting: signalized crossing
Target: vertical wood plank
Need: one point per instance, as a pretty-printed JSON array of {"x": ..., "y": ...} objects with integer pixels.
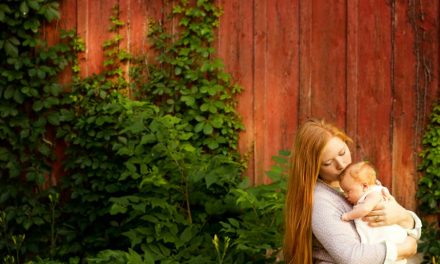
[
  {"x": 305, "y": 57},
  {"x": 275, "y": 87},
  {"x": 93, "y": 28},
  {"x": 374, "y": 87},
  {"x": 138, "y": 14},
  {"x": 404, "y": 107},
  {"x": 67, "y": 21},
  {"x": 132, "y": 13},
  {"x": 282, "y": 73},
  {"x": 234, "y": 47},
  {"x": 260, "y": 84},
  {"x": 328, "y": 61},
  {"x": 352, "y": 73},
  {"x": 428, "y": 77}
]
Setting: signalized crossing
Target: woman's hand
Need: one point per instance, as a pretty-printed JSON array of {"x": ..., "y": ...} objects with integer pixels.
[
  {"x": 407, "y": 248},
  {"x": 389, "y": 212}
]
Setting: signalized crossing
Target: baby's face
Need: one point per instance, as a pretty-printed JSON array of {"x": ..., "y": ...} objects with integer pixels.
[{"x": 353, "y": 190}]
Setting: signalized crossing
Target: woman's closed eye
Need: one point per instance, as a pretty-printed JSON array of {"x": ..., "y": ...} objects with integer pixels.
[{"x": 327, "y": 163}]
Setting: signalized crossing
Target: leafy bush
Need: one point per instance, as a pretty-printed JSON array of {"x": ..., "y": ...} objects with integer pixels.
[
  {"x": 428, "y": 192},
  {"x": 29, "y": 96},
  {"x": 430, "y": 245},
  {"x": 186, "y": 81},
  {"x": 257, "y": 231},
  {"x": 151, "y": 179}
]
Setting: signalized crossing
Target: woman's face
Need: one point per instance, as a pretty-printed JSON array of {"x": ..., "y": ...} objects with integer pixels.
[{"x": 335, "y": 157}]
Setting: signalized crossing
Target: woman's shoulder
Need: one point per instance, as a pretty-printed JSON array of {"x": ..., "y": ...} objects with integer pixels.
[
  {"x": 322, "y": 189},
  {"x": 325, "y": 196}
]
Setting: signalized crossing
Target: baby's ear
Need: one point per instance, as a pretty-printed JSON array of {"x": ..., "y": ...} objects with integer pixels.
[{"x": 364, "y": 186}]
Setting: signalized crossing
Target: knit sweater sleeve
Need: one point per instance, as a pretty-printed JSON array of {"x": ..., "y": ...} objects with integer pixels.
[{"x": 338, "y": 239}]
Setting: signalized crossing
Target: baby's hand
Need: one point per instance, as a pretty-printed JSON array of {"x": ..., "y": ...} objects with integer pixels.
[{"x": 345, "y": 217}]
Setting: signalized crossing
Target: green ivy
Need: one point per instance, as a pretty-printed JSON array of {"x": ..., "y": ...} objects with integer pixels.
[
  {"x": 151, "y": 167},
  {"x": 30, "y": 95},
  {"x": 187, "y": 81},
  {"x": 428, "y": 192}
]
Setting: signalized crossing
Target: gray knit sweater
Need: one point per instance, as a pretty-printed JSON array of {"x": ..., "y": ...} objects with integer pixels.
[{"x": 334, "y": 240}]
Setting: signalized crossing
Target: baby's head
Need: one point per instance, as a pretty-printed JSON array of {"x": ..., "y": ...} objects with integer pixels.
[{"x": 356, "y": 179}]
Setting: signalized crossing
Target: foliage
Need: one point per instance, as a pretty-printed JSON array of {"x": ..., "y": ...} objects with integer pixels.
[
  {"x": 186, "y": 82},
  {"x": 430, "y": 243},
  {"x": 257, "y": 231},
  {"x": 150, "y": 178},
  {"x": 429, "y": 185},
  {"x": 428, "y": 192},
  {"x": 30, "y": 95}
]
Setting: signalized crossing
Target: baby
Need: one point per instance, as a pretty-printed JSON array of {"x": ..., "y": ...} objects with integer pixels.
[{"x": 358, "y": 181}]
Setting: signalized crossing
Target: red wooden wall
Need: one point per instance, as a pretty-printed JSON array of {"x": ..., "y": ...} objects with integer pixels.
[{"x": 369, "y": 66}]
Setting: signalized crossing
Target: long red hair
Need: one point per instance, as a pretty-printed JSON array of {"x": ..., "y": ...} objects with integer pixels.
[{"x": 305, "y": 163}]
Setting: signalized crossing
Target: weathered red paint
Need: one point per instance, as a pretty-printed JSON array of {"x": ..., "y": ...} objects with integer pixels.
[
  {"x": 404, "y": 116},
  {"x": 236, "y": 28},
  {"x": 373, "y": 100},
  {"x": 352, "y": 62}
]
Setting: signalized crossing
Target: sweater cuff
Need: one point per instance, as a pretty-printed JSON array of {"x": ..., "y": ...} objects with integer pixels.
[
  {"x": 416, "y": 232},
  {"x": 391, "y": 255}
]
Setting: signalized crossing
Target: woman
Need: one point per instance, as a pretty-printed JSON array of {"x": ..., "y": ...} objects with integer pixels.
[{"x": 314, "y": 206}]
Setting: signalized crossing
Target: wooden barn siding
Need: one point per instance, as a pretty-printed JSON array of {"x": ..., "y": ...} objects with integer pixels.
[{"x": 369, "y": 66}]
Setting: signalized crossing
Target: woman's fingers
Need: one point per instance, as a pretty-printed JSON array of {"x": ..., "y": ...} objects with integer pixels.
[{"x": 375, "y": 217}]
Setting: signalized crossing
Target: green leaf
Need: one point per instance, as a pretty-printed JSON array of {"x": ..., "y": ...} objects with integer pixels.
[
  {"x": 18, "y": 96},
  {"x": 27, "y": 223},
  {"x": 148, "y": 138},
  {"x": 51, "y": 12},
  {"x": 117, "y": 209},
  {"x": 217, "y": 122},
  {"x": 234, "y": 222},
  {"x": 207, "y": 129},
  {"x": 148, "y": 258},
  {"x": 53, "y": 118},
  {"x": 134, "y": 258},
  {"x": 44, "y": 149},
  {"x": 189, "y": 100},
  {"x": 9, "y": 92},
  {"x": 186, "y": 235},
  {"x": 55, "y": 89},
  {"x": 33, "y": 4},
  {"x": 10, "y": 48},
  {"x": 177, "y": 71},
  {"x": 199, "y": 127},
  {"x": 24, "y": 9}
]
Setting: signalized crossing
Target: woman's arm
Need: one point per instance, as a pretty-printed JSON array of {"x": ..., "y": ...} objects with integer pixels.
[
  {"x": 407, "y": 248},
  {"x": 391, "y": 212},
  {"x": 339, "y": 238}
]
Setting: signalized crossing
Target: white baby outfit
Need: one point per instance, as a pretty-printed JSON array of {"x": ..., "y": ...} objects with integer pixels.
[{"x": 372, "y": 235}]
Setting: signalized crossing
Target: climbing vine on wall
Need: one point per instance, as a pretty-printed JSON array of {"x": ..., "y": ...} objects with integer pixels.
[
  {"x": 177, "y": 160},
  {"x": 428, "y": 192},
  {"x": 30, "y": 96},
  {"x": 188, "y": 81}
]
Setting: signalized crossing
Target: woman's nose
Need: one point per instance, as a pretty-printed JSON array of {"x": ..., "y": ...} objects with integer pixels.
[{"x": 340, "y": 164}]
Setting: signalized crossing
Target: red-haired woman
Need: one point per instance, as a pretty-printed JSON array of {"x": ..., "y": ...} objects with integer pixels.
[{"x": 314, "y": 231}]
